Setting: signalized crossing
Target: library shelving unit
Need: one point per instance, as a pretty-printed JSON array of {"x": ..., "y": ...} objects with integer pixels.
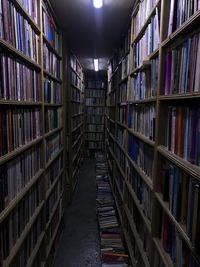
[
  {"x": 153, "y": 134},
  {"x": 95, "y": 96},
  {"x": 76, "y": 87},
  {"x": 31, "y": 145}
]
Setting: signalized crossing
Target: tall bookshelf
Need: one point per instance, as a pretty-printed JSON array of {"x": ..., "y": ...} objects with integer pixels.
[
  {"x": 95, "y": 96},
  {"x": 76, "y": 86},
  {"x": 153, "y": 134},
  {"x": 31, "y": 152}
]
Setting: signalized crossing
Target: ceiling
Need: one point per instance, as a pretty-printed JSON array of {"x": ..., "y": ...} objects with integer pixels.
[{"x": 93, "y": 33}]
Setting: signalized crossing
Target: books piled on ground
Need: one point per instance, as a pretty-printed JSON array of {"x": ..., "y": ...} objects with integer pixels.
[{"x": 113, "y": 253}]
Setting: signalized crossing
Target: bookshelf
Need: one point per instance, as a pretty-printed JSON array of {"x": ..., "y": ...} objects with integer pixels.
[
  {"x": 31, "y": 150},
  {"x": 75, "y": 119},
  {"x": 95, "y": 93},
  {"x": 152, "y": 130}
]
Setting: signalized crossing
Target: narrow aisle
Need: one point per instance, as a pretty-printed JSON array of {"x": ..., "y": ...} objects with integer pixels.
[{"x": 79, "y": 246}]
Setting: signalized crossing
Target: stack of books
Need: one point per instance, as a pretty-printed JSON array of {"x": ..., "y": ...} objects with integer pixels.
[{"x": 113, "y": 252}]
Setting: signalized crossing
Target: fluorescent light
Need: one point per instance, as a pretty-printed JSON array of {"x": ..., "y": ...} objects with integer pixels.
[
  {"x": 96, "y": 64},
  {"x": 97, "y": 3}
]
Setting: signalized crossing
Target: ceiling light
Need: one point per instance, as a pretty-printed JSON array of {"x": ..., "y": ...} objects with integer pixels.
[
  {"x": 97, "y": 3},
  {"x": 96, "y": 64}
]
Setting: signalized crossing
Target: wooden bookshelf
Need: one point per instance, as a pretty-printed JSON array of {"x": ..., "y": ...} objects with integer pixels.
[
  {"x": 38, "y": 93},
  {"x": 75, "y": 93},
  {"x": 139, "y": 150},
  {"x": 95, "y": 97}
]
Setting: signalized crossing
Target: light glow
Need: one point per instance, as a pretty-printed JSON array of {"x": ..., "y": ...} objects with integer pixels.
[
  {"x": 97, "y": 3},
  {"x": 96, "y": 64}
]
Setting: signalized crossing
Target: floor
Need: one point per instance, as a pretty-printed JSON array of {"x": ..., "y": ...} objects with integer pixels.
[{"x": 79, "y": 245}]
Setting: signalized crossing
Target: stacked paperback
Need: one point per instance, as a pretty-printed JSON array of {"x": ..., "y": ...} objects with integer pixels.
[{"x": 113, "y": 253}]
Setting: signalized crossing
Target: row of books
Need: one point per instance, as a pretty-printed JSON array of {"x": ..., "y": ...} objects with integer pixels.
[
  {"x": 95, "y": 144},
  {"x": 53, "y": 118},
  {"x": 95, "y": 136},
  {"x": 18, "y": 127},
  {"x": 142, "y": 119},
  {"x": 94, "y": 93},
  {"x": 17, "y": 173},
  {"x": 76, "y": 121},
  {"x": 92, "y": 119},
  {"x": 53, "y": 171},
  {"x": 144, "y": 84},
  {"x": 94, "y": 128},
  {"x": 14, "y": 224},
  {"x": 16, "y": 30},
  {"x": 142, "y": 154},
  {"x": 181, "y": 11},
  {"x": 112, "y": 98},
  {"x": 18, "y": 81},
  {"x": 53, "y": 145},
  {"x": 182, "y": 133},
  {"x": 51, "y": 63},
  {"x": 143, "y": 12},
  {"x": 122, "y": 114},
  {"x": 52, "y": 92},
  {"x": 148, "y": 43},
  {"x": 181, "y": 191},
  {"x": 49, "y": 30},
  {"x": 51, "y": 202},
  {"x": 77, "y": 108},
  {"x": 94, "y": 101},
  {"x": 99, "y": 111},
  {"x": 31, "y": 6},
  {"x": 122, "y": 94},
  {"x": 94, "y": 84},
  {"x": 29, "y": 244},
  {"x": 181, "y": 67},
  {"x": 76, "y": 94},
  {"x": 75, "y": 65},
  {"x": 121, "y": 158},
  {"x": 142, "y": 191},
  {"x": 113, "y": 252},
  {"x": 125, "y": 67},
  {"x": 76, "y": 81},
  {"x": 121, "y": 135},
  {"x": 125, "y": 46},
  {"x": 173, "y": 244}
]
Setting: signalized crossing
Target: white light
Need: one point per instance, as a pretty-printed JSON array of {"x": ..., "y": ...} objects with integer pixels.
[
  {"x": 97, "y": 3},
  {"x": 96, "y": 64}
]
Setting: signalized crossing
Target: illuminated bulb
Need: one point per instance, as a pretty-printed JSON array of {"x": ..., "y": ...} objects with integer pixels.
[
  {"x": 97, "y": 3},
  {"x": 96, "y": 64}
]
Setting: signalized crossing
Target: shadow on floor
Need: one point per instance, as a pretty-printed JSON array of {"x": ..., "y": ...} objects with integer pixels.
[{"x": 79, "y": 245}]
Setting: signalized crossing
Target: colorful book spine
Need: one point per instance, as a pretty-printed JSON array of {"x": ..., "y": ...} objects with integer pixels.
[
  {"x": 52, "y": 92},
  {"x": 53, "y": 118},
  {"x": 51, "y": 63}
]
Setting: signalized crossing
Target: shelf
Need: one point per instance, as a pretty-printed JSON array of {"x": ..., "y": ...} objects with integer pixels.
[
  {"x": 76, "y": 169},
  {"x": 51, "y": 48},
  {"x": 111, "y": 120},
  {"x": 145, "y": 178},
  {"x": 123, "y": 80},
  {"x": 185, "y": 27},
  {"x": 139, "y": 206},
  {"x": 188, "y": 167},
  {"x": 130, "y": 249},
  {"x": 142, "y": 137},
  {"x": 21, "y": 239},
  {"x": 148, "y": 20},
  {"x": 119, "y": 191},
  {"x": 95, "y": 106},
  {"x": 19, "y": 54},
  {"x": 51, "y": 76},
  {"x": 101, "y": 132},
  {"x": 76, "y": 128},
  {"x": 52, "y": 105},
  {"x": 77, "y": 140},
  {"x": 35, "y": 250},
  {"x": 77, "y": 153},
  {"x": 120, "y": 168},
  {"x": 19, "y": 150},
  {"x": 51, "y": 132},
  {"x": 77, "y": 101},
  {"x": 121, "y": 124},
  {"x": 180, "y": 96},
  {"x": 54, "y": 183},
  {"x": 90, "y": 97},
  {"x": 13, "y": 203},
  {"x": 25, "y": 14},
  {"x": 76, "y": 73},
  {"x": 53, "y": 158},
  {"x": 164, "y": 256},
  {"x": 142, "y": 101},
  {"x": 19, "y": 103},
  {"x": 146, "y": 64},
  {"x": 137, "y": 237},
  {"x": 79, "y": 89},
  {"x": 77, "y": 115}
]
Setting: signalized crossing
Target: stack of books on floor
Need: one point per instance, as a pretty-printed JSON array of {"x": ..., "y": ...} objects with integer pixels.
[{"x": 113, "y": 252}]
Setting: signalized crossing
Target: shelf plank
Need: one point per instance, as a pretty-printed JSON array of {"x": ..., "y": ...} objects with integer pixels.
[
  {"x": 142, "y": 137},
  {"x": 51, "y": 76},
  {"x": 51, "y": 47}
]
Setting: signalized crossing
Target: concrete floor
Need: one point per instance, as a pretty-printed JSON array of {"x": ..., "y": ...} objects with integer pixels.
[{"x": 79, "y": 245}]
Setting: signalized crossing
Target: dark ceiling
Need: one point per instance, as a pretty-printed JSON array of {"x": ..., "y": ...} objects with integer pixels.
[{"x": 93, "y": 32}]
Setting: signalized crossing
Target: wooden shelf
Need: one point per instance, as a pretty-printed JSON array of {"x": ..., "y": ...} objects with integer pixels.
[
  {"x": 51, "y": 76},
  {"x": 51, "y": 47},
  {"x": 52, "y": 105},
  {"x": 52, "y": 132},
  {"x": 13, "y": 203},
  {"x": 123, "y": 125},
  {"x": 77, "y": 140},
  {"x": 19, "y": 150},
  {"x": 53, "y": 158},
  {"x": 164, "y": 256},
  {"x": 76, "y": 128},
  {"x": 124, "y": 80},
  {"x": 19, "y": 103},
  {"x": 130, "y": 249},
  {"x": 35, "y": 250},
  {"x": 142, "y": 101},
  {"x": 49, "y": 191},
  {"x": 179, "y": 96},
  {"x": 77, "y": 115},
  {"x": 19, "y": 55},
  {"x": 142, "y": 137}
]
